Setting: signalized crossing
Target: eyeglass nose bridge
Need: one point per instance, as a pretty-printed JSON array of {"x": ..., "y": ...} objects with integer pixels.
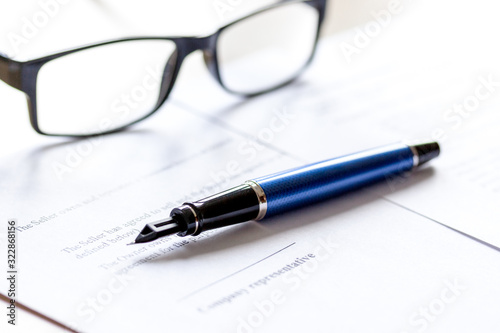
[
  {"x": 184, "y": 47},
  {"x": 208, "y": 45},
  {"x": 190, "y": 44}
]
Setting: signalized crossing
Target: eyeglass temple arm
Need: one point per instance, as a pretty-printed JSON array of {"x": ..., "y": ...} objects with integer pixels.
[{"x": 10, "y": 71}]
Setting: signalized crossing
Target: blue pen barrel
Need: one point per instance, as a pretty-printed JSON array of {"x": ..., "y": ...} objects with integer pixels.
[
  {"x": 303, "y": 186},
  {"x": 287, "y": 190}
]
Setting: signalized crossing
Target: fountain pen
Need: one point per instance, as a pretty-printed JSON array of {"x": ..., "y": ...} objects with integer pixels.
[{"x": 287, "y": 190}]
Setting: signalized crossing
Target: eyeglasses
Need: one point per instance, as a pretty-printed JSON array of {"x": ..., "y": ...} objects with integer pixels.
[{"x": 106, "y": 87}]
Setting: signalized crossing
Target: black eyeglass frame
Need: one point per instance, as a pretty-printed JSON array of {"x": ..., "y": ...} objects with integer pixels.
[{"x": 23, "y": 75}]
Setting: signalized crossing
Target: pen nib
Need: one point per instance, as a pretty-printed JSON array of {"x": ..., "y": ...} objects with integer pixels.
[{"x": 155, "y": 230}]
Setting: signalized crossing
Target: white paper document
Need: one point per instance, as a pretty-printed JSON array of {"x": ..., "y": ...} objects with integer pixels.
[{"x": 375, "y": 260}]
